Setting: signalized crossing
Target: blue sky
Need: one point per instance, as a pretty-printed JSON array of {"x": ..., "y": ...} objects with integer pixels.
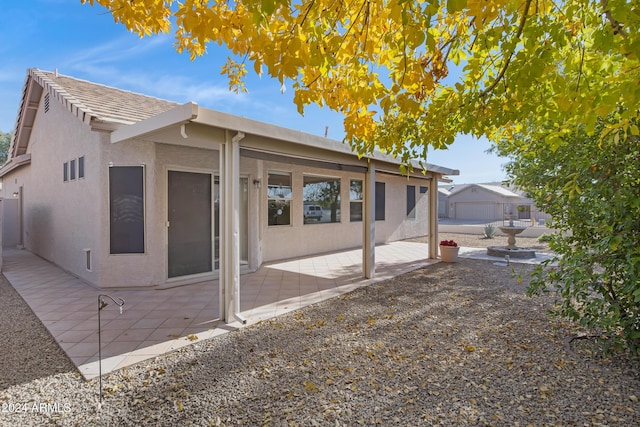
[{"x": 84, "y": 42}]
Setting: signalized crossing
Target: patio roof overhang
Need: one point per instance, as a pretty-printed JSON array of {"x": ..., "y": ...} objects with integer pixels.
[{"x": 194, "y": 126}]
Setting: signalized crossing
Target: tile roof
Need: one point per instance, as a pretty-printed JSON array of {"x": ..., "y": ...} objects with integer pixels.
[
  {"x": 494, "y": 188},
  {"x": 95, "y": 101}
]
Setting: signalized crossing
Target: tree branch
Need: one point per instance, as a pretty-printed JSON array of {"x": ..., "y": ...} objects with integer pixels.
[
  {"x": 618, "y": 28},
  {"x": 503, "y": 70}
]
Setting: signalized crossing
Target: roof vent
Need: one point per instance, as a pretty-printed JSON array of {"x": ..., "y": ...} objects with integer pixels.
[{"x": 46, "y": 103}]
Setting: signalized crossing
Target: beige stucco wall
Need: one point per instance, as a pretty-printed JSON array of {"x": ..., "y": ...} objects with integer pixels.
[
  {"x": 397, "y": 226},
  {"x": 60, "y": 218},
  {"x": 11, "y": 213},
  {"x": 150, "y": 269}
]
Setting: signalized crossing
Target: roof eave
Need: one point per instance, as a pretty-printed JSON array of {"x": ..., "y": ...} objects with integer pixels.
[
  {"x": 179, "y": 115},
  {"x": 15, "y": 163}
]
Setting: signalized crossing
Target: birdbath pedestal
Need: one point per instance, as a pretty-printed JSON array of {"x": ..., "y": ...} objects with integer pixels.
[{"x": 511, "y": 231}]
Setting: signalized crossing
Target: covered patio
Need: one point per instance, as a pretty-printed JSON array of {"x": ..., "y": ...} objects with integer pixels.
[{"x": 157, "y": 321}]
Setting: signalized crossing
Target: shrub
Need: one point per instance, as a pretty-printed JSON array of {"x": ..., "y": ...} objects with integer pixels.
[
  {"x": 489, "y": 231},
  {"x": 545, "y": 238}
]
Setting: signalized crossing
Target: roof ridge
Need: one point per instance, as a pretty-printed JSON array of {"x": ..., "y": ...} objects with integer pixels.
[
  {"x": 56, "y": 74},
  {"x": 89, "y": 101}
]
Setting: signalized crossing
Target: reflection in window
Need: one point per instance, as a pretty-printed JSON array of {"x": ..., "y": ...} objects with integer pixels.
[
  {"x": 321, "y": 197},
  {"x": 279, "y": 196},
  {"x": 355, "y": 200}
]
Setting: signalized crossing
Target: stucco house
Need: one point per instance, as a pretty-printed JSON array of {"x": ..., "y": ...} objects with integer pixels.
[
  {"x": 443, "y": 202},
  {"x": 128, "y": 191},
  {"x": 489, "y": 202}
]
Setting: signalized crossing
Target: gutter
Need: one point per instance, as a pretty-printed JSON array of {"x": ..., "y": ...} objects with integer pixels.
[{"x": 15, "y": 163}]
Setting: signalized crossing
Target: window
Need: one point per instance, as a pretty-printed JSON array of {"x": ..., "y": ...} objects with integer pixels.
[
  {"x": 423, "y": 190},
  {"x": 321, "y": 196},
  {"x": 80, "y": 167},
  {"x": 65, "y": 172},
  {"x": 126, "y": 209},
  {"x": 279, "y": 195},
  {"x": 411, "y": 201},
  {"x": 380, "y": 208},
  {"x": 87, "y": 259},
  {"x": 72, "y": 170},
  {"x": 355, "y": 200}
]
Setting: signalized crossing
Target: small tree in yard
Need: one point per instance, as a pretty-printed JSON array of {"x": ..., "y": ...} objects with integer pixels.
[
  {"x": 5, "y": 142},
  {"x": 590, "y": 185}
]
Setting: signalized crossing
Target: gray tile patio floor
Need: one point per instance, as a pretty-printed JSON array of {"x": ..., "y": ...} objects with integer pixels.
[{"x": 158, "y": 321}]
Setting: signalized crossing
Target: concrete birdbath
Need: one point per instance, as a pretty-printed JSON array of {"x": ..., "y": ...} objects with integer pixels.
[
  {"x": 511, "y": 249},
  {"x": 511, "y": 231}
]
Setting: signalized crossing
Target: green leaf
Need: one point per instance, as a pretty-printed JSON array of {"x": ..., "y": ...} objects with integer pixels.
[
  {"x": 454, "y": 6},
  {"x": 268, "y": 6}
]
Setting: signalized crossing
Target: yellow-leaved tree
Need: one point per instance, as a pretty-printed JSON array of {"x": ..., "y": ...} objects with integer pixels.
[{"x": 385, "y": 64}]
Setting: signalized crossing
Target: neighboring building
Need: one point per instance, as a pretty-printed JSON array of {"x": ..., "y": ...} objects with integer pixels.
[
  {"x": 443, "y": 202},
  {"x": 128, "y": 191},
  {"x": 488, "y": 202},
  {"x": 480, "y": 201}
]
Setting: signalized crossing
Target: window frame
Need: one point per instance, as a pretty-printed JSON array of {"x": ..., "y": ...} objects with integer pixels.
[
  {"x": 356, "y": 201},
  {"x": 322, "y": 204}
]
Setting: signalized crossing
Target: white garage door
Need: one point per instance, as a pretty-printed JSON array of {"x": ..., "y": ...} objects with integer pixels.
[{"x": 476, "y": 210}]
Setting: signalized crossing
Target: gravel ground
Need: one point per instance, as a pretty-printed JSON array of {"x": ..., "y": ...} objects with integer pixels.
[
  {"x": 477, "y": 241},
  {"x": 451, "y": 344}
]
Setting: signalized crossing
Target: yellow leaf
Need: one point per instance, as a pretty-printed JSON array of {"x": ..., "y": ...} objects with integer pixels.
[
  {"x": 310, "y": 386},
  {"x": 470, "y": 348}
]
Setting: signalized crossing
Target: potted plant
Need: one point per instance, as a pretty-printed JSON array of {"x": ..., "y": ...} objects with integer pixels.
[{"x": 449, "y": 251}]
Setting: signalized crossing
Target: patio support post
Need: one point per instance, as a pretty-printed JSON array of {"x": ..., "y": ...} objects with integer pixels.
[
  {"x": 433, "y": 217},
  {"x": 230, "y": 228},
  {"x": 369, "y": 223}
]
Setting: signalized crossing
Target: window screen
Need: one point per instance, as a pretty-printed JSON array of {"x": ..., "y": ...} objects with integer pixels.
[
  {"x": 380, "y": 208},
  {"x": 411, "y": 201},
  {"x": 72, "y": 169},
  {"x": 80, "y": 167},
  {"x": 126, "y": 209}
]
